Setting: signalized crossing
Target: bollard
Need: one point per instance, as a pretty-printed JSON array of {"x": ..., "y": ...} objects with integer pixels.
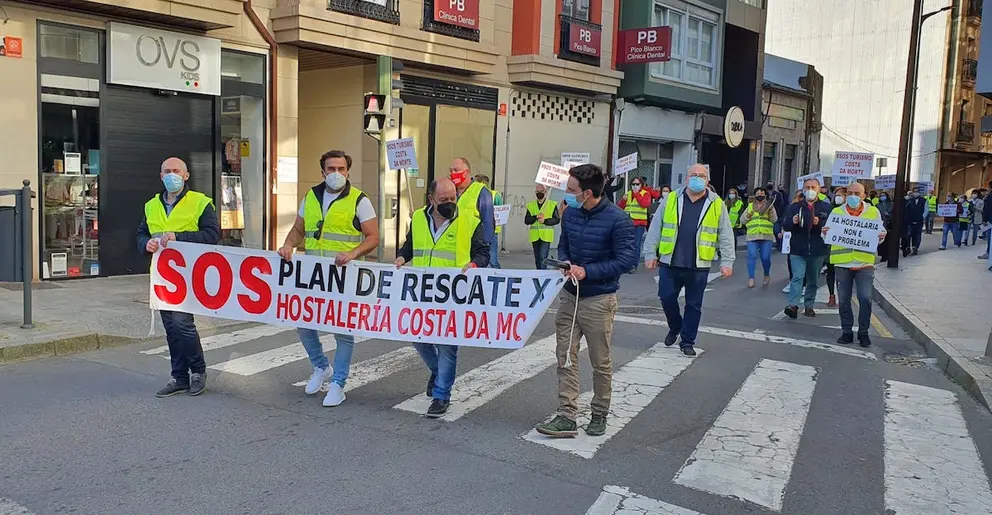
[{"x": 27, "y": 239}]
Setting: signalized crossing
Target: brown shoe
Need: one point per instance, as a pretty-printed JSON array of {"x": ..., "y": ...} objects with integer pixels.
[{"x": 808, "y": 312}]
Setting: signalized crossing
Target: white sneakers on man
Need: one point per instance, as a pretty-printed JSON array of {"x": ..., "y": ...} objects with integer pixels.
[
  {"x": 319, "y": 377},
  {"x": 335, "y": 395}
]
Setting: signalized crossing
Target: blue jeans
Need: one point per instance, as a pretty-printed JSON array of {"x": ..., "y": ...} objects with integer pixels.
[
  {"x": 494, "y": 253},
  {"x": 754, "y": 249},
  {"x": 951, "y": 228},
  {"x": 185, "y": 350},
  {"x": 847, "y": 280},
  {"x": 804, "y": 268},
  {"x": 342, "y": 355},
  {"x": 541, "y": 249},
  {"x": 639, "y": 231},
  {"x": 974, "y": 233},
  {"x": 442, "y": 360},
  {"x": 670, "y": 283}
]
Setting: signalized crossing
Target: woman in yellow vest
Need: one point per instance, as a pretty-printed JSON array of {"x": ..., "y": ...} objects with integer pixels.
[
  {"x": 442, "y": 237},
  {"x": 180, "y": 214},
  {"x": 759, "y": 218},
  {"x": 541, "y": 217}
]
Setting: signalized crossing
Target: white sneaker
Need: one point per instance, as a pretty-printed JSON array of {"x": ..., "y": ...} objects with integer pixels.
[
  {"x": 319, "y": 377},
  {"x": 786, "y": 289},
  {"x": 335, "y": 395}
]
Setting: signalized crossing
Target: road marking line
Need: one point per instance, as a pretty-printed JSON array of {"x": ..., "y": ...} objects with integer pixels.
[
  {"x": 761, "y": 337},
  {"x": 635, "y": 385},
  {"x": 875, "y": 322},
  {"x": 618, "y": 499},
  {"x": 221, "y": 340},
  {"x": 819, "y": 311},
  {"x": 8, "y": 507},
  {"x": 374, "y": 369},
  {"x": 266, "y": 360},
  {"x": 484, "y": 383},
  {"x": 749, "y": 451},
  {"x": 931, "y": 463}
]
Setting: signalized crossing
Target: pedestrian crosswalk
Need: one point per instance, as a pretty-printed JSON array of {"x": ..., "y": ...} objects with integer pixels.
[
  {"x": 748, "y": 450},
  {"x": 8, "y": 507}
]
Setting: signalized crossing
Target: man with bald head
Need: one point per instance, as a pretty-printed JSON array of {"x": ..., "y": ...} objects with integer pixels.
[
  {"x": 441, "y": 236},
  {"x": 688, "y": 233},
  {"x": 541, "y": 217},
  {"x": 179, "y": 214}
]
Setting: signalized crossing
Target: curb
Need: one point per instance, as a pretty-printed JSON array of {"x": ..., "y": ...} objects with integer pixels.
[
  {"x": 958, "y": 367},
  {"x": 87, "y": 342}
]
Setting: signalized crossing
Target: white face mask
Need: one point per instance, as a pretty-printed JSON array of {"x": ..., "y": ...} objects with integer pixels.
[
  {"x": 636, "y": 187},
  {"x": 839, "y": 199},
  {"x": 335, "y": 181},
  {"x": 812, "y": 194}
]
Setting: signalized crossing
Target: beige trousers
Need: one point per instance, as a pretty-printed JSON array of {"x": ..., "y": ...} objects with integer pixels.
[{"x": 594, "y": 320}]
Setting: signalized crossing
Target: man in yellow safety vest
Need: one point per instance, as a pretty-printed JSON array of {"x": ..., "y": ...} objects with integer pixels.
[
  {"x": 180, "y": 214},
  {"x": 931, "y": 212},
  {"x": 442, "y": 236},
  {"x": 336, "y": 221},
  {"x": 854, "y": 269},
  {"x": 541, "y": 217},
  {"x": 474, "y": 199}
]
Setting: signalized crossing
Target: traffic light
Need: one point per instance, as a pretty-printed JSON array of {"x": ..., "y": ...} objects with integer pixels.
[
  {"x": 375, "y": 114},
  {"x": 396, "y": 85}
]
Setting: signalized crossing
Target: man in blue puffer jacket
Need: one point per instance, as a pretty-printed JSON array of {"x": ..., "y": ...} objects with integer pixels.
[{"x": 597, "y": 240}]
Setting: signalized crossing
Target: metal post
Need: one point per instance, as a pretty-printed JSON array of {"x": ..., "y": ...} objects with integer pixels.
[
  {"x": 902, "y": 170},
  {"x": 384, "y": 70},
  {"x": 27, "y": 245}
]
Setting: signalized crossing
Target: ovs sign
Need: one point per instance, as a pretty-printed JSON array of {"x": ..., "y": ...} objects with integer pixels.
[{"x": 152, "y": 58}]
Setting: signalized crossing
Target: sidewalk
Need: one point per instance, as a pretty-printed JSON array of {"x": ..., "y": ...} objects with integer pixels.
[
  {"x": 944, "y": 300},
  {"x": 82, "y": 315}
]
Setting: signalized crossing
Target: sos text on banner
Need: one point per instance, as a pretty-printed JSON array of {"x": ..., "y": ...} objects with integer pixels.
[
  {"x": 853, "y": 232},
  {"x": 484, "y": 307}
]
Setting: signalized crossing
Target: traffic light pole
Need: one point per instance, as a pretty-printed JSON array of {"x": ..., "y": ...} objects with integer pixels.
[{"x": 384, "y": 71}]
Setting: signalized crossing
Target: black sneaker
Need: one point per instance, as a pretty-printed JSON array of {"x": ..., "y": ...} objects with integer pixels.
[
  {"x": 864, "y": 340},
  {"x": 197, "y": 383},
  {"x": 846, "y": 338},
  {"x": 792, "y": 311},
  {"x": 437, "y": 409},
  {"x": 430, "y": 385},
  {"x": 688, "y": 351},
  {"x": 171, "y": 388},
  {"x": 916, "y": 251},
  {"x": 559, "y": 427},
  {"x": 808, "y": 312},
  {"x": 671, "y": 338}
]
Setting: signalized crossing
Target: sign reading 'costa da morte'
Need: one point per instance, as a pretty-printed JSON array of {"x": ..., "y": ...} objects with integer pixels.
[{"x": 151, "y": 58}]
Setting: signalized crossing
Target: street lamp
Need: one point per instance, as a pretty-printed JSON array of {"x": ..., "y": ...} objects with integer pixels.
[{"x": 906, "y": 134}]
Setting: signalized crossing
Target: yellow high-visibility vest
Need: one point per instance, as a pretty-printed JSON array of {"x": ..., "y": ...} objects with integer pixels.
[
  {"x": 539, "y": 231},
  {"x": 184, "y": 217},
  {"x": 734, "y": 211},
  {"x": 706, "y": 237},
  {"x": 453, "y": 249},
  {"x": 338, "y": 231},
  {"x": 495, "y": 193},
  {"x": 759, "y": 223},
  {"x": 633, "y": 209},
  {"x": 842, "y": 255},
  {"x": 468, "y": 202},
  {"x": 932, "y": 203}
]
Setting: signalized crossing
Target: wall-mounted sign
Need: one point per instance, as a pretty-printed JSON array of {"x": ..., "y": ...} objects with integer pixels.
[
  {"x": 463, "y": 13},
  {"x": 230, "y": 105},
  {"x": 11, "y": 47},
  {"x": 585, "y": 40},
  {"x": 650, "y": 45},
  {"x": 150, "y": 58},
  {"x": 733, "y": 127}
]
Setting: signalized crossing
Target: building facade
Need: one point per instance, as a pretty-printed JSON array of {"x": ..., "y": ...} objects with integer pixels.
[
  {"x": 250, "y": 94},
  {"x": 790, "y": 132}
]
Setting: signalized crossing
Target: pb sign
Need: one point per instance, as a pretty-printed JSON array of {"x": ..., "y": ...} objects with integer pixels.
[
  {"x": 648, "y": 45},
  {"x": 585, "y": 40},
  {"x": 462, "y": 13}
]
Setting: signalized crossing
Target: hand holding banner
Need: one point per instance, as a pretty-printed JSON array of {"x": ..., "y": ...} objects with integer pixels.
[
  {"x": 483, "y": 308},
  {"x": 853, "y": 232}
]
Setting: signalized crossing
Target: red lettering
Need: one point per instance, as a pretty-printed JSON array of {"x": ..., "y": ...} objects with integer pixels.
[
  {"x": 329, "y": 313},
  {"x": 294, "y": 307},
  {"x": 352, "y": 315},
  {"x": 256, "y": 285},
  {"x": 363, "y": 316},
  {"x": 225, "y": 284},
  {"x": 519, "y": 319},
  {"x": 503, "y": 326},
  {"x": 170, "y": 274},
  {"x": 282, "y": 306},
  {"x": 308, "y": 313},
  {"x": 484, "y": 326},
  {"x": 429, "y": 323},
  {"x": 405, "y": 312},
  {"x": 470, "y": 324},
  {"x": 416, "y": 322},
  {"x": 452, "y": 330}
]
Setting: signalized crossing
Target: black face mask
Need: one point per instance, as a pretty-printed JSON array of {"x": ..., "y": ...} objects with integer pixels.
[
  {"x": 759, "y": 198},
  {"x": 539, "y": 195},
  {"x": 447, "y": 210}
]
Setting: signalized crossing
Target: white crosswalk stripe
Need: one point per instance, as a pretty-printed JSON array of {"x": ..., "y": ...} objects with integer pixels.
[
  {"x": 266, "y": 360},
  {"x": 222, "y": 340},
  {"x": 8, "y": 507},
  {"x": 619, "y": 500},
  {"x": 374, "y": 369},
  {"x": 635, "y": 385},
  {"x": 749, "y": 450}
]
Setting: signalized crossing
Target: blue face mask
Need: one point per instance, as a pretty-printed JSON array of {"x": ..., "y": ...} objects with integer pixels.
[
  {"x": 853, "y": 201},
  {"x": 572, "y": 200},
  {"x": 173, "y": 182},
  {"x": 697, "y": 184}
]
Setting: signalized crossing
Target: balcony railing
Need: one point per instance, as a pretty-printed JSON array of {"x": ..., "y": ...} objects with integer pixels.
[
  {"x": 969, "y": 72},
  {"x": 381, "y": 10},
  {"x": 430, "y": 25},
  {"x": 975, "y": 9},
  {"x": 966, "y": 132},
  {"x": 570, "y": 24}
]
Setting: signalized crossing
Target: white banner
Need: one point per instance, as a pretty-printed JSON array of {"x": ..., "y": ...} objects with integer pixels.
[
  {"x": 786, "y": 242},
  {"x": 803, "y": 178},
  {"x": 570, "y": 159},
  {"x": 552, "y": 175},
  {"x": 502, "y": 214},
  {"x": 885, "y": 182},
  {"x": 853, "y": 165},
  {"x": 400, "y": 154},
  {"x": 626, "y": 163},
  {"x": 493, "y": 308},
  {"x": 947, "y": 210},
  {"x": 853, "y": 232}
]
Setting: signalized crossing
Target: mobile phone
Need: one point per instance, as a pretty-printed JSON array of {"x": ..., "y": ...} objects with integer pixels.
[{"x": 557, "y": 264}]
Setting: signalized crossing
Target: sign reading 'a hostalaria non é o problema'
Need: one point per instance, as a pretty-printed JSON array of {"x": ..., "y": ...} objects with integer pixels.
[
  {"x": 853, "y": 165},
  {"x": 853, "y": 232}
]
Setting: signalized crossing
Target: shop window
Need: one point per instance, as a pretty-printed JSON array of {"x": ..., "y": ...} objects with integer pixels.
[
  {"x": 71, "y": 44},
  {"x": 768, "y": 162},
  {"x": 578, "y": 9},
  {"x": 788, "y": 161},
  {"x": 695, "y": 47}
]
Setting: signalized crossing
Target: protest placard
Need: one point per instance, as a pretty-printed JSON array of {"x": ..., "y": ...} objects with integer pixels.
[
  {"x": 803, "y": 178},
  {"x": 552, "y": 175},
  {"x": 502, "y": 214},
  {"x": 400, "y": 154},
  {"x": 885, "y": 182},
  {"x": 853, "y": 165},
  {"x": 481, "y": 308},
  {"x": 786, "y": 242},
  {"x": 626, "y": 163},
  {"x": 947, "y": 210},
  {"x": 853, "y": 232},
  {"x": 570, "y": 159}
]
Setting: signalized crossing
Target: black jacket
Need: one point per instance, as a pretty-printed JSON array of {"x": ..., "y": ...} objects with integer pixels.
[
  {"x": 479, "y": 251},
  {"x": 807, "y": 237},
  {"x": 209, "y": 226}
]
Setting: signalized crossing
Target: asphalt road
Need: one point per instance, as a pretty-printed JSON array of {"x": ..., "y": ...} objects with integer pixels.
[{"x": 770, "y": 417}]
